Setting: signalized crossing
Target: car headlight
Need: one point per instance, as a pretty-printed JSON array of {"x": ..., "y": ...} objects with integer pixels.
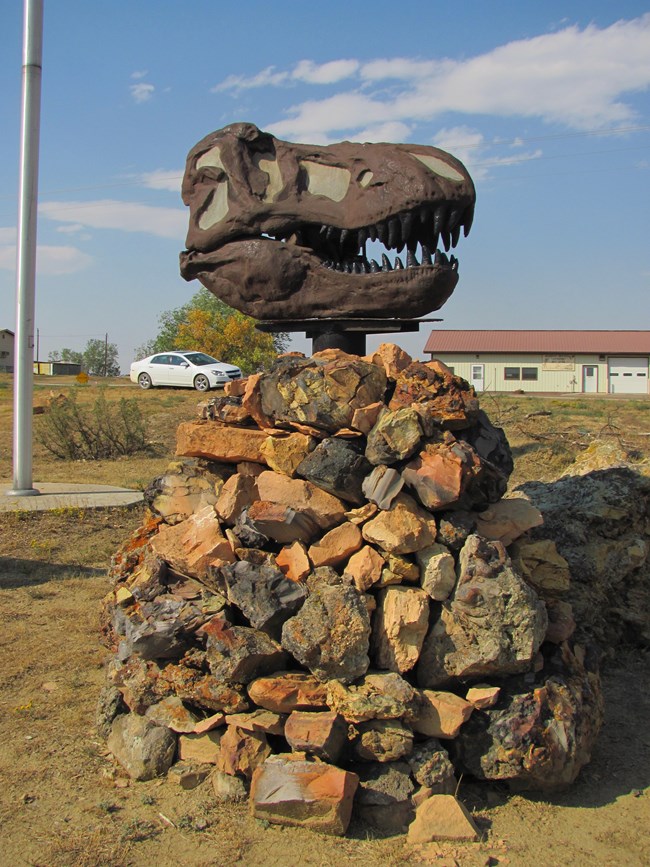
[{"x": 218, "y": 372}]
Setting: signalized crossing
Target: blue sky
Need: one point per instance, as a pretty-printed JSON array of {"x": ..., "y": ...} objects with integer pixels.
[{"x": 547, "y": 104}]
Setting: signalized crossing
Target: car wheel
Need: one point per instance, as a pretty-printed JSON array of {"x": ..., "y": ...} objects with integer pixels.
[
  {"x": 201, "y": 383},
  {"x": 144, "y": 381}
]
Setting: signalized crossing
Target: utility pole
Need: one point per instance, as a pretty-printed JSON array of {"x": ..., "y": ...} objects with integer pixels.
[{"x": 26, "y": 248}]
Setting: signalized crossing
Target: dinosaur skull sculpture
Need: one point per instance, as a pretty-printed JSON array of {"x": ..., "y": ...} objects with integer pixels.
[{"x": 279, "y": 230}]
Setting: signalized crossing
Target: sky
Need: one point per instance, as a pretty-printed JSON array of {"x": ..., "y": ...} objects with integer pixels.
[{"x": 547, "y": 104}]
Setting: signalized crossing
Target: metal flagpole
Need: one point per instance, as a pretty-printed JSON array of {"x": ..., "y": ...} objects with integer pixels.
[{"x": 26, "y": 255}]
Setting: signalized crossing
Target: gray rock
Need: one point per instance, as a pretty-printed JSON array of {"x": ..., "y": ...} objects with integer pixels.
[
  {"x": 262, "y": 593},
  {"x": 143, "y": 749},
  {"x": 493, "y": 624},
  {"x": 109, "y": 706},
  {"x": 383, "y": 799},
  {"x": 539, "y": 735},
  {"x": 330, "y": 634},
  {"x": 600, "y": 525},
  {"x": 186, "y": 487},
  {"x": 239, "y": 654},
  {"x": 383, "y": 741},
  {"x": 431, "y": 766},
  {"x": 338, "y": 467},
  {"x": 395, "y": 436},
  {"x": 454, "y": 528}
]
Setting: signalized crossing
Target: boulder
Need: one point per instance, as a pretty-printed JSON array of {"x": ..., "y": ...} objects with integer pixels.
[
  {"x": 442, "y": 817},
  {"x": 431, "y": 767},
  {"x": 219, "y": 442},
  {"x": 325, "y": 510},
  {"x": 239, "y": 654},
  {"x": 402, "y": 529},
  {"x": 323, "y": 734},
  {"x": 441, "y": 399},
  {"x": 200, "y": 748},
  {"x": 184, "y": 488},
  {"x": 383, "y": 799},
  {"x": 492, "y": 624},
  {"x": 336, "y": 546},
  {"x": 286, "y": 691},
  {"x": 337, "y": 466},
  {"x": 330, "y": 634},
  {"x": 508, "y": 519},
  {"x": 382, "y": 486},
  {"x": 437, "y": 570},
  {"x": 364, "y": 568},
  {"x": 376, "y": 696},
  {"x": 395, "y": 436},
  {"x": 304, "y": 794},
  {"x": 285, "y": 453},
  {"x": 441, "y": 714},
  {"x": 537, "y": 736},
  {"x": 237, "y": 493},
  {"x": 382, "y": 741},
  {"x": 400, "y": 624},
  {"x": 262, "y": 593},
  {"x": 293, "y": 561},
  {"x": 240, "y": 752},
  {"x": 194, "y": 544},
  {"x": 144, "y": 749}
]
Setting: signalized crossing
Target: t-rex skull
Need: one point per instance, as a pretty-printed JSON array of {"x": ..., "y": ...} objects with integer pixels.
[{"x": 279, "y": 230}]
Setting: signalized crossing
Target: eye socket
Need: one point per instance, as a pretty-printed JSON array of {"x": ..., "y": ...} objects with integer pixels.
[
  {"x": 365, "y": 177},
  {"x": 211, "y": 173}
]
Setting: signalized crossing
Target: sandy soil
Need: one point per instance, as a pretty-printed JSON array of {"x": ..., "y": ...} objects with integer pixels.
[{"x": 64, "y": 802}]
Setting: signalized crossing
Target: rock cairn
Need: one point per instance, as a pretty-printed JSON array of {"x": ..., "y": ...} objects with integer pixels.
[{"x": 322, "y": 613}]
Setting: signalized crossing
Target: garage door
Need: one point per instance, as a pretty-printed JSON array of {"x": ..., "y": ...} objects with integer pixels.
[{"x": 628, "y": 375}]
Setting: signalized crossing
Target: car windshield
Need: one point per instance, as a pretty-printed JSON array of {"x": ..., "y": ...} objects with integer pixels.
[{"x": 200, "y": 358}]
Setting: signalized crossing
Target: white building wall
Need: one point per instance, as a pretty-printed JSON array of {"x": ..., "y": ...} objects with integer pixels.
[
  {"x": 6, "y": 351},
  {"x": 567, "y": 379}
]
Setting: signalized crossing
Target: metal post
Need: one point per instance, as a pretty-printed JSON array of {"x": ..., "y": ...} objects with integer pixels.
[{"x": 26, "y": 253}]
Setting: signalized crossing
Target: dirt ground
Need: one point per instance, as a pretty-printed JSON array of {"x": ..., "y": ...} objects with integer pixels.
[{"x": 64, "y": 803}]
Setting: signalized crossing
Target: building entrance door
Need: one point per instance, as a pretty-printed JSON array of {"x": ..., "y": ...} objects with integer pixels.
[
  {"x": 589, "y": 378},
  {"x": 477, "y": 377}
]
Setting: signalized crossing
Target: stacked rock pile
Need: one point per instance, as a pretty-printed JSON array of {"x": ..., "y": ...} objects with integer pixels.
[{"x": 321, "y": 606}]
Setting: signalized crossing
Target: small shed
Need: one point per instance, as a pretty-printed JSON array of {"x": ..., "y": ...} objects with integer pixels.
[
  {"x": 605, "y": 362},
  {"x": 56, "y": 368}
]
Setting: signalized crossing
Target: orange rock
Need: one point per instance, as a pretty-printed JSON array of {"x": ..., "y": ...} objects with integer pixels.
[
  {"x": 287, "y": 691},
  {"x": 400, "y": 625},
  {"x": 402, "y": 529},
  {"x": 391, "y": 357},
  {"x": 336, "y": 546},
  {"x": 235, "y": 388},
  {"x": 442, "y": 817},
  {"x": 365, "y": 567},
  {"x": 238, "y": 493},
  {"x": 293, "y": 561},
  {"x": 365, "y": 418},
  {"x": 312, "y": 795},
  {"x": 324, "y": 509},
  {"x": 240, "y": 752},
  {"x": 252, "y": 401},
  {"x": 482, "y": 696},
  {"x": 200, "y": 747},
  {"x": 219, "y": 442},
  {"x": 441, "y": 714},
  {"x": 508, "y": 519},
  {"x": 324, "y": 734},
  {"x": 281, "y": 523},
  {"x": 194, "y": 544},
  {"x": 260, "y": 720}
]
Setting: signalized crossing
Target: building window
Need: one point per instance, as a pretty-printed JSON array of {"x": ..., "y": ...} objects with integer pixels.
[
  {"x": 529, "y": 373},
  {"x": 452, "y": 369},
  {"x": 512, "y": 373}
]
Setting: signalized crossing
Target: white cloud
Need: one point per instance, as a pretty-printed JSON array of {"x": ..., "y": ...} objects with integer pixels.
[
  {"x": 267, "y": 77},
  {"x": 574, "y": 77},
  {"x": 50, "y": 261},
  {"x": 70, "y": 229},
  {"x": 124, "y": 216},
  {"x": 140, "y": 73},
  {"x": 142, "y": 92},
  {"x": 471, "y": 148},
  {"x": 324, "y": 73},
  {"x": 162, "y": 179}
]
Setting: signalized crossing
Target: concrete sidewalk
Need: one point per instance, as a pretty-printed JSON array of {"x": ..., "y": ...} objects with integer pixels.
[{"x": 60, "y": 495}]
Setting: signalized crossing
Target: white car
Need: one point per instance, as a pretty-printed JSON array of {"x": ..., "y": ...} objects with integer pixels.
[{"x": 185, "y": 369}]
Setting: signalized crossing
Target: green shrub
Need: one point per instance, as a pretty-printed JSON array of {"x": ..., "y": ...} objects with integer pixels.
[{"x": 104, "y": 430}]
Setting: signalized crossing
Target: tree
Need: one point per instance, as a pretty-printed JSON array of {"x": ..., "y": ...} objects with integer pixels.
[
  {"x": 99, "y": 358},
  {"x": 70, "y": 356},
  {"x": 208, "y": 324}
]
